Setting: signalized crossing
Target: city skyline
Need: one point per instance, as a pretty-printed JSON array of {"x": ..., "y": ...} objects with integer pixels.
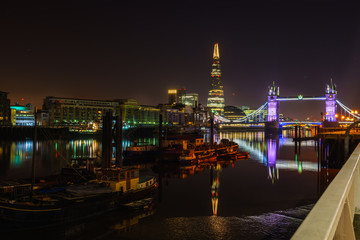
[{"x": 108, "y": 50}]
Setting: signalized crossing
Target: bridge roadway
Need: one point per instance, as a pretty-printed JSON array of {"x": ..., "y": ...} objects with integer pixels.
[{"x": 262, "y": 124}]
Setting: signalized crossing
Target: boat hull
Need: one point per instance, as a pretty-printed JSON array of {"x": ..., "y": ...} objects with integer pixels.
[{"x": 68, "y": 211}]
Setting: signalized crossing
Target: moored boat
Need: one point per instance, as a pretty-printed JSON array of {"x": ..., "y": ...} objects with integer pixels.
[
  {"x": 139, "y": 150},
  {"x": 112, "y": 188}
]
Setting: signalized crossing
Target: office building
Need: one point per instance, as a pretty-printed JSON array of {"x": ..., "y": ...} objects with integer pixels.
[
  {"x": 233, "y": 113},
  {"x": 180, "y": 93},
  {"x": 23, "y": 115},
  {"x": 172, "y": 93},
  {"x": 77, "y": 112},
  {"x": 190, "y": 99}
]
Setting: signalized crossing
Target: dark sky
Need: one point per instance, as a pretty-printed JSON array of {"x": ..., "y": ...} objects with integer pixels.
[{"x": 106, "y": 50}]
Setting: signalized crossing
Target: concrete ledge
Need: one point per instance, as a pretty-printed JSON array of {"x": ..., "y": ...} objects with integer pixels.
[{"x": 332, "y": 216}]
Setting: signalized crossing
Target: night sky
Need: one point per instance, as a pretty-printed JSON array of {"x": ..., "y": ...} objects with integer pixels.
[{"x": 108, "y": 50}]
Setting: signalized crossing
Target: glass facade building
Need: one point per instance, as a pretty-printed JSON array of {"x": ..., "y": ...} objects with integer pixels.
[
  {"x": 216, "y": 100},
  {"x": 233, "y": 113},
  {"x": 190, "y": 99},
  {"x": 23, "y": 115}
]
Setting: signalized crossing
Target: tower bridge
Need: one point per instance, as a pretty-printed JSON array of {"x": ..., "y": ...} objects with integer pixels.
[{"x": 335, "y": 111}]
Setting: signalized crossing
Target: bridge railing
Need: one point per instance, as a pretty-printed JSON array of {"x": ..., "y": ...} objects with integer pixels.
[{"x": 333, "y": 214}]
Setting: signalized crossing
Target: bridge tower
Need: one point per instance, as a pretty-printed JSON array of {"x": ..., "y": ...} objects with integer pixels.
[
  {"x": 330, "y": 102},
  {"x": 272, "y": 123},
  {"x": 273, "y": 104}
]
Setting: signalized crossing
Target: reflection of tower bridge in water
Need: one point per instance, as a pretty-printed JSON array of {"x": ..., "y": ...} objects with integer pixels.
[
  {"x": 266, "y": 152},
  {"x": 267, "y": 115}
]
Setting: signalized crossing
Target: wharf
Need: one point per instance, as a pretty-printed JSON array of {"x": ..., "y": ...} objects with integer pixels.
[{"x": 339, "y": 134}]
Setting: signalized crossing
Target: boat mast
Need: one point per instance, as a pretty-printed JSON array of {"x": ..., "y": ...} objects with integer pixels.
[
  {"x": 118, "y": 139},
  {"x": 33, "y": 158}
]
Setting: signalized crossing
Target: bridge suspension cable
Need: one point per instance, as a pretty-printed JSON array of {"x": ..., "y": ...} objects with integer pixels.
[
  {"x": 257, "y": 112},
  {"x": 348, "y": 110}
]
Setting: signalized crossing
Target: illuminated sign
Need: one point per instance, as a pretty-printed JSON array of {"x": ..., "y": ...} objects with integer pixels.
[{"x": 172, "y": 91}]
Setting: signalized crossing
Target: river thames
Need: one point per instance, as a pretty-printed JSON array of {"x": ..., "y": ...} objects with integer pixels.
[{"x": 264, "y": 197}]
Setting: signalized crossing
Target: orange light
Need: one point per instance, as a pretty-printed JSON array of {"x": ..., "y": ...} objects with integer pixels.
[
  {"x": 336, "y": 115},
  {"x": 342, "y": 117},
  {"x": 356, "y": 112}
]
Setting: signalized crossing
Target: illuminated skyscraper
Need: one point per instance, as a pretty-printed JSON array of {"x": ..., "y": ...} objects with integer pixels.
[{"x": 216, "y": 100}]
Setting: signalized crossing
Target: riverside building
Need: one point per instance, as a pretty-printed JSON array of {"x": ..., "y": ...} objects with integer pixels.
[
  {"x": 87, "y": 113},
  {"x": 77, "y": 112},
  {"x": 23, "y": 115}
]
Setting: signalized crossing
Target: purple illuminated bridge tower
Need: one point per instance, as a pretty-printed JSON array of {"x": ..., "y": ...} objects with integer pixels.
[
  {"x": 272, "y": 124},
  {"x": 330, "y": 102},
  {"x": 273, "y": 103}
]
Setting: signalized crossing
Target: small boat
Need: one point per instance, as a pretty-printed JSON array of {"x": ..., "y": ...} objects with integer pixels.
[
  {"x": 111, "y": 189},
  {"x": 187, "y": 157},
  {"x": 145, "y": 203},
  {"x": 240, "y": 155},
  {"x": 212, "y": 158},
  {"x": 138, "y": 150}
]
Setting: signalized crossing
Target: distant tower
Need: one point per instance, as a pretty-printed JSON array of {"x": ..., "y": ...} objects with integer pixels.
[
  {"x": 180, "y": 93},
  {"x": 330, "y": 102},
  {"x": 172, "y": 93},
  {"x": 273, "y": 104},
  {"x": 216, "y": 100}
]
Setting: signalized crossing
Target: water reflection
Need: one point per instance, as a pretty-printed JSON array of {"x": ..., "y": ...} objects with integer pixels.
[
  {"x": 112, "y": 225},
  {"x": 266, "y": 151},
  {"x": 191, "y": 204},
  {"x": 272, "y": 149},
  {"x": 215, "y": 185},
  {"x": 20, "y": 152}
]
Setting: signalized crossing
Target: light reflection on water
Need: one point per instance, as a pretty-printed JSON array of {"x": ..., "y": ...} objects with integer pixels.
[{"x": 224, "y": 200}]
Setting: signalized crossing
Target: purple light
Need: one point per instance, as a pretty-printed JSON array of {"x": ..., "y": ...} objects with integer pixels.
[
  {"x": 330, "y": 108},
  {"x": 271, "y": 152},
  {"x": 272, "y": 109}
]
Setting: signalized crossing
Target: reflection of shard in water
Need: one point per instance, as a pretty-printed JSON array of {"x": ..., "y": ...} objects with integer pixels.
[{"x": 215, "y": 184}]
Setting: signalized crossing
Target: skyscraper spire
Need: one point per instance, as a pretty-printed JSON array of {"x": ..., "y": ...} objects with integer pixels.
[
  {"x": 216, "y": 51},
  {"x": 216, "y": 101}
]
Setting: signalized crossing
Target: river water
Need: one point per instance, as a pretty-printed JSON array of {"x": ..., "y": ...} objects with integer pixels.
[{"x": 264, "y": 197}]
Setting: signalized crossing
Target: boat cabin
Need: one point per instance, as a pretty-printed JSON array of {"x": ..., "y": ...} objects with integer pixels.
[
  {"x": 122, "y": 180},
  {"x": 183, "y": 141}
]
